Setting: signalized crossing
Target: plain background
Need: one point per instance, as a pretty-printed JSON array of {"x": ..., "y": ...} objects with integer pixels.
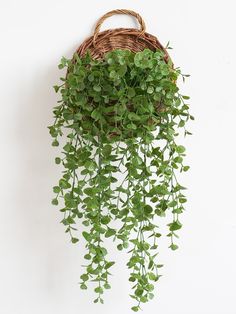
[{"x": 39, "y": 268}]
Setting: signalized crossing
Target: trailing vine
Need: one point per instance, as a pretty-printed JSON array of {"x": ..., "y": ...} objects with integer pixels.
[{"x": 121, "y": 117}]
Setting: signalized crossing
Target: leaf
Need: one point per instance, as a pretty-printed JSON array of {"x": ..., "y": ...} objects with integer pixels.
[
  {"x": 150, "y": 89},
  {"x": 110, "y": 61},
  {"x": 177, "y": 210},
  {"x": 109, "y": 264},
  {"x": 91, "y": 191},
  {"x": 84, "y": 277},
  {"x": 148, "y": 209},
  {"x": 91, "y": 77},
  {"x": 74, "y": 240},
  {"x": 57, "y": 160},
  {"x": 131, "y": 92},
  {"x": 176, "y": 225},
  {"x": 99, "y": 290},
  {"x": 186, "y": 168},
  {"x": 182, "y": 200},
  {"x": 56, "y": 189},
  {"x": 90, "y": 165},
  {"x": 56, "y": 88},
  {"x": 180, "y": 149},
  {"x": 133, "y": 116},
  {"x": 63, "y": 63},
  {"x": 131, "y": 126},
  {"x": 70, "y": 220},
  {"x": 125, "y": 245},
  {"x": 113, "y": 74},
  {"x": 173, "y": 247},
  {"x": 107, "y": 286},
  {"x": 181, "y": 123},
  {"x": 55, "y": 143},
  {"x": 78, "y": 116},
  {"x": 97, "y": 88},
  {"x": 87, "y": 236},
  {"x": 137, "y": 161},
  {"x": 110, "y": 233},
  {"x": 105, "y": 220},
  {"x": 64, "y": 184},
  {"x": 68, "y": 147},
  {"x": 122, "y": 70},
  {"x": 138, "y": 292},
  {"x": 152, "y": 276},
  {"x": 83, "y": 286},
  {"x": 135, "y": 308},
  {"x": 159, "y": 189},
  {"x": 87, "y": 256},
  {"x": 120, "y": 247},
  {"x": 96, "y": 115},
  {"x": 55, "y": 201},
  {"x": 107, "y": 150},
  {"x": 150, "y": 287},
  {"x": 173, "y": 203}
]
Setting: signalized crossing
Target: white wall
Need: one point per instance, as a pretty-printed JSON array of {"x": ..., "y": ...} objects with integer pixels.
[{"x": 39, "y": 268}]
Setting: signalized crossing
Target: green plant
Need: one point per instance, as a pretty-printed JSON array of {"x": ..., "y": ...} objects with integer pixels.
[{"x": 121, "y": 116}]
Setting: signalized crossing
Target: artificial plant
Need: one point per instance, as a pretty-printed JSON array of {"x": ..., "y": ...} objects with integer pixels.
[{"x": 121, "y": 117}]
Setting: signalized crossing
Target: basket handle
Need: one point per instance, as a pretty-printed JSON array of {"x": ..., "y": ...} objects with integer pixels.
[{"x": 113, "y": 12}]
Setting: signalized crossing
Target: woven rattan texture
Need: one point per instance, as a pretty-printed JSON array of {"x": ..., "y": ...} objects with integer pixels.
[{"x": 120, "y": 38}]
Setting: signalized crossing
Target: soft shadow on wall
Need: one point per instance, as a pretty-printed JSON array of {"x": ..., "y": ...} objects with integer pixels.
[{"x": 42, "y": 237}]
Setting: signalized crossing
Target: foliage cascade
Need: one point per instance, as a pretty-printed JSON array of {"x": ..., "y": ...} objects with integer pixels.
[{"x": 121, "y": 116}]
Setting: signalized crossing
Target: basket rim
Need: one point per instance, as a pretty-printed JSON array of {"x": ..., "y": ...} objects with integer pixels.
[{"x": 129, "y": 32}]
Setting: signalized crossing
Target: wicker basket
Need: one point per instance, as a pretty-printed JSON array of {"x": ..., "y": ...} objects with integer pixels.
[{"x": 120, "y": 38}]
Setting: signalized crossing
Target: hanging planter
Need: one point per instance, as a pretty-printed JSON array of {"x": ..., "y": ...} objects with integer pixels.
[{"x": 121, "y": 113}]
